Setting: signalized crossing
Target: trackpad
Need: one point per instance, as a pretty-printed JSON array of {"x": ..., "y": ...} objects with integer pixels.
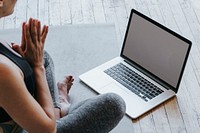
[{"x": 117, "y": 90}]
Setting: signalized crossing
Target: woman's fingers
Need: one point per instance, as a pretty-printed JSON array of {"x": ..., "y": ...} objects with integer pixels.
[
  {"x": 23, "y": 42},
  {"x": 44, "y": 33},
  {"x": 33, "y": 32},
  {"x": 43, "y": 30},
  {"x": 28, "y": 38},
  {"x": 18, "y": 49},
  {"x": 29, "y": 24},
  {"x": 39, "y": 30},
  {"x": 29, "y": 28},
  {"x": 34, "y": 42}
]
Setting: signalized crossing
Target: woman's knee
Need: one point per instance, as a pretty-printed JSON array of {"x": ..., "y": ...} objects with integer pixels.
[
  {"x": 115, "y": 103},
  {"x": 99, "y": 114}
]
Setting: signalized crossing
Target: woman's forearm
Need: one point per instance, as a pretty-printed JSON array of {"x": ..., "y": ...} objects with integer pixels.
[{"x": 43, "y": 95}]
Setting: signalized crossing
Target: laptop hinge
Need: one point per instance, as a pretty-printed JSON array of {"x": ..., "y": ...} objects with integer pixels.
[{"x": 148, "y": 75}]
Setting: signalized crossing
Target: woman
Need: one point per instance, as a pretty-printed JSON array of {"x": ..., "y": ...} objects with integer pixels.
[{"x": 31, "y": 101}]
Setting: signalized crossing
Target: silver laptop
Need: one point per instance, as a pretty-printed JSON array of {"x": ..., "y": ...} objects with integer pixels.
[{"x": 149, "y": 68}]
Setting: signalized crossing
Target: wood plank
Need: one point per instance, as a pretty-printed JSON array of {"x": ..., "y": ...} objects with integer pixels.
[
  {"x": 122, "y": 17},
  {"x": 180, "y": 19},
  {"x": 129, "y": 4},
  {"x": 174, "y": 116},
  {"x": 161, "y": 120},
  {"x": 76, "y": 12},
  {"x": 141, "y": 7},
  {"x": 21, "y": 12},
  {"x": 167, "y": 16},
  {"x": 32, "y": 9},
  {"x": 109, "y": 11},
  {"x": 65, "y": 12},
  {"x": 189, "y": 113},
  {"x": 43, "y": 12},
  {"x": 154, "y": 10},
  {"x": 99, "y": 14},
  {"x": 88, "y": 11},
  {"x": 196, "y": 7},
  {"x": 136, "y": 126},
  {"x": 111, "y": 17},
  {"x": 189, "y": 100},
  {"x": 147, "y": 123},
  {"x": 54, "y": 12}
]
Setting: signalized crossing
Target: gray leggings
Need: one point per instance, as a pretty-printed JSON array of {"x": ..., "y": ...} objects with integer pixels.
[{"x": 97, "y": 115}]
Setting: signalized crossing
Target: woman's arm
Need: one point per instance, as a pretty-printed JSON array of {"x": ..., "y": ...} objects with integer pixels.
[
  {"x": 43, "y": 96},
  {"x": 21, "y": 49},
  {"x": 33, "y": 115},
  {"x": 30, "y": 114}
]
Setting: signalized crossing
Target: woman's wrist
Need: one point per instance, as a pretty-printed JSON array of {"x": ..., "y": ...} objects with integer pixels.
[{"x": 39, "y": 68}]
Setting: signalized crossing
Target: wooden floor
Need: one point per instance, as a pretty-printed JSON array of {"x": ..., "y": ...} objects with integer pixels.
[{"x": 178, "y": 115}]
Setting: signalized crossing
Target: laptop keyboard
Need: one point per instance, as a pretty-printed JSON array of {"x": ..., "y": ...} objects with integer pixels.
[{"x": 134, "y": 82}]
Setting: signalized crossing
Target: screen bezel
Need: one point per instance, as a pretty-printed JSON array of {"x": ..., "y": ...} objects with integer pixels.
[{"x": 143, "y": 70}]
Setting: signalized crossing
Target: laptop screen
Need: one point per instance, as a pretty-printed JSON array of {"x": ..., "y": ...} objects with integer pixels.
[{"x": 156, "y": 49}]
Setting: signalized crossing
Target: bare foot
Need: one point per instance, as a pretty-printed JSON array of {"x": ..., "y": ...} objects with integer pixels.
[
  {"x": 65, "y": 86},
  {"x": 63, "y": 89}
]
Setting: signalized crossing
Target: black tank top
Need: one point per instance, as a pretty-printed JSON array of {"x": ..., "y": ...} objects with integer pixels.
[{"x": 28, "y": 76}]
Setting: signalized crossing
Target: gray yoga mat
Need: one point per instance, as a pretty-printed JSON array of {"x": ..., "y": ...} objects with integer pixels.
[{"x": 76, "y": 49}]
